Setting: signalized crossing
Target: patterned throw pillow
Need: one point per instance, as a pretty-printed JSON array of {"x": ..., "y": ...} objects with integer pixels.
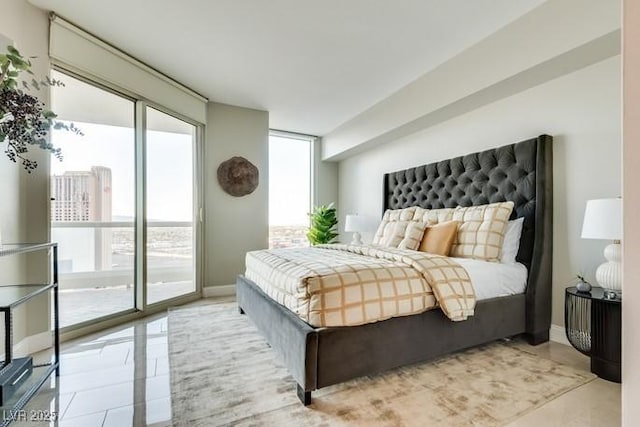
[
  {"x": 412, "y": 235},
  {"x": 389, "y": 228},
  {"x": 433, "y": 216},
  {"x": 481, "y": 231}
]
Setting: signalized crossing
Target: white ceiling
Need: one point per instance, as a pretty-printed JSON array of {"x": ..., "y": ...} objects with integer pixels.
[{"x": 312, "y": 64}]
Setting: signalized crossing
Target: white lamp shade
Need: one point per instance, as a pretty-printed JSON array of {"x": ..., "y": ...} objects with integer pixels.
[
  {"x": 603, "y": 219},
  {"x": 360, "y": 223}
]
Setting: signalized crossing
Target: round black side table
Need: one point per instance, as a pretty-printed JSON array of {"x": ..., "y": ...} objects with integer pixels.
[{"x": 593, "y": 324}]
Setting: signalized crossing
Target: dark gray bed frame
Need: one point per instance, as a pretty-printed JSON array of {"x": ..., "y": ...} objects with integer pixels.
[{"x": 521, "y": 172}]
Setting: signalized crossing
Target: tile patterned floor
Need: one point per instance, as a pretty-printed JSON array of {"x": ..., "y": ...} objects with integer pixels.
[{"x": 120, "y": 377}]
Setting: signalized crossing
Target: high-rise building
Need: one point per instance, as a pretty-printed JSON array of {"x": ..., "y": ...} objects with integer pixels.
[
  {"x": 85, "y": 196},
  {"x": 81, "y": 195}
]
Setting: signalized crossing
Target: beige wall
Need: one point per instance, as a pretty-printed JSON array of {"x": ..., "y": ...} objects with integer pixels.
[
  {"x": 580, "y": 110},
  {"x": 631, "y": 201},
  {"x": 25, "y": 197},
  {"x": 234, "y": 225}
]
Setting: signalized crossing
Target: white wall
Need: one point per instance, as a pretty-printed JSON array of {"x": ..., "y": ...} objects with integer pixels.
[
  {"x": 580, "y": 110},
  {"x": 631, "y": 202},
  {"x": 556, "y": 37},
  {"x": 234, "y": 225},
  {"x": 325, "y": 180},
  {"x": 24, "y": 210}
]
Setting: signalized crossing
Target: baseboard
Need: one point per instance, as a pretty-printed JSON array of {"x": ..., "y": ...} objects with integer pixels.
[
  {"x": 33, "y": 344},
  {"x": 557, "y": 334},
  {"x": 219, "y": 291}
]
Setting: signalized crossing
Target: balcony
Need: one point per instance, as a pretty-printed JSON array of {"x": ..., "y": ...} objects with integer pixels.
[{"x": 97, "y": 271}]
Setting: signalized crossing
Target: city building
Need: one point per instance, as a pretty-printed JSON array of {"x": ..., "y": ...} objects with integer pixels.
[
  {"x": 81, "y": 195},
  {"x": 77, "y": 197}
]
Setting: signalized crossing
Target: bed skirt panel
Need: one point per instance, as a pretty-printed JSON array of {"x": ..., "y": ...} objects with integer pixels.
[
  {"x": 350, "y": 352},
  {"x": 321, "y": 357},
  {"x": 295, "y": 341}
]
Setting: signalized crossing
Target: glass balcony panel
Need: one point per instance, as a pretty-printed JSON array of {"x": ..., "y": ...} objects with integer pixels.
[{"x": 96, "y": 270}]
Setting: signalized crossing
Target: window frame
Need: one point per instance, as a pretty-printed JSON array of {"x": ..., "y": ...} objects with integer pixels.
[
  {"x": 140, "y": 307},
  {"x": 313, "y": 159}
]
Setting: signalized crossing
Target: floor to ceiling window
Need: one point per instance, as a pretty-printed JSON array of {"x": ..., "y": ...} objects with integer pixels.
[
  {"x": 170, "y": 193},
  {"x": 290, "y": 183},
  {"x": 121, "y": 187}
]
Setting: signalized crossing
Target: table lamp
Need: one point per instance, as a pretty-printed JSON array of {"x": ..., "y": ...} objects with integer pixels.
[
  {"x": 359, "y": 224},
  {"x": 603, "y": 220}
]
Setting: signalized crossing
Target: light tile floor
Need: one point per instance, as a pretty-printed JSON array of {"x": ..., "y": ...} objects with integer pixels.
[{"x": 120, "y": 377}]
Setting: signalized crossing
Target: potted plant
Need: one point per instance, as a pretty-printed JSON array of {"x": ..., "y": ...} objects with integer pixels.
[
  {"x": 24, "y": 120},
  {"x": 324, "y": 223}
]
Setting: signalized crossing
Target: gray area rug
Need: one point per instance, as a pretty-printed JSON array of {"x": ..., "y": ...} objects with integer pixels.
[{"x": 224, "y": 373}]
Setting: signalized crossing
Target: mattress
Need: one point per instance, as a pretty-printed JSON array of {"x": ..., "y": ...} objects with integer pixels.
[
  {"x": 494, "y": 279},
  {"x": 345, "y": 285}
]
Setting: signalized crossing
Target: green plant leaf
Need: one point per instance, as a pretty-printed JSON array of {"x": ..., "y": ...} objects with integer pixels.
[
  {"x": 25, "y": 121},
  {"x": 323, "y": 223}
]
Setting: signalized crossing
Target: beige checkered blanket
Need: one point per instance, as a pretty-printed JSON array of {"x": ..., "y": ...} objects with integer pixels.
[{"x": 344, "y": 285}]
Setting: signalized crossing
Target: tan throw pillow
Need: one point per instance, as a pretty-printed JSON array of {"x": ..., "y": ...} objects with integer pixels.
[
  {"x": 481, "y": 231},
  {"x": 412, "y": 236},
  {"x": 438, "y": 238}
]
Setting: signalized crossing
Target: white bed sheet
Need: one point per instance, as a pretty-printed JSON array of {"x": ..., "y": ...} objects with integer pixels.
[{"x": 494, "y": 279}]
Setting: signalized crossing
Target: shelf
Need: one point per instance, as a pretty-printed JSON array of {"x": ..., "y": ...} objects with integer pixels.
[
  {"x": 13, "y": 409},
  {"x": 21, "y": 248},
  {"x": 12, "y": 295}
]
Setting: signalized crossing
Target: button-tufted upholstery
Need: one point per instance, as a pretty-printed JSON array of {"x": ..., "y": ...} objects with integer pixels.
[
  {"x": 520, "y": 172},
  {"x": 496, "y": 175}
]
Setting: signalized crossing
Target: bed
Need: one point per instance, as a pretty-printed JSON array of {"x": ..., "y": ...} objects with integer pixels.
[{"x": 317, "y": 357}]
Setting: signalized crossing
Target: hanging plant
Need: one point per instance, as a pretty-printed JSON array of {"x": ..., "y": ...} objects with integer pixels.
[
  {"x": 24, "y": 120},
  {"x": 323, "y": 225}
]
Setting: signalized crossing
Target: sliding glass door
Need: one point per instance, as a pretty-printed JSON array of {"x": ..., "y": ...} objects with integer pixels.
[
  {"x": 93, "y": 201},
  {"x": 170, "y": 192},
  {"x": 129, "y": 182}
]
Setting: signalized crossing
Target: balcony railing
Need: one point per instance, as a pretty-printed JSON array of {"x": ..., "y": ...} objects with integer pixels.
[
  {"x": 97, "y": 265},
  {"x": 101, "y": 254}
]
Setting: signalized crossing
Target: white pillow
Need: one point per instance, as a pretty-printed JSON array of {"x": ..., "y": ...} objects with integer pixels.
[{"x": 511, "y": 242}]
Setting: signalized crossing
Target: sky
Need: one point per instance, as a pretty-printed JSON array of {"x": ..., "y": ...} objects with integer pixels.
[
  {"x": 289, "y": 181},
  {"x": 169, "y": 167}
]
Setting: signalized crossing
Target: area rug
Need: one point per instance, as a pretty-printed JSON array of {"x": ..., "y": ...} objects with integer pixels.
[{"x": 224, "y": 373}]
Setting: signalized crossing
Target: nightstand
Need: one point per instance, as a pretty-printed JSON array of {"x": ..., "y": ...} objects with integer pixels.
[{"x": 593, "y": 324}]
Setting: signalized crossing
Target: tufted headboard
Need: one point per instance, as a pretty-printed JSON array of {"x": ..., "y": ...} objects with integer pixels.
[{"x": 520, "y": 172}]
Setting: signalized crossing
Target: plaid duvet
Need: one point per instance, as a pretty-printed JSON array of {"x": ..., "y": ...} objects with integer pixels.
[{"x": 345, "y": 285}]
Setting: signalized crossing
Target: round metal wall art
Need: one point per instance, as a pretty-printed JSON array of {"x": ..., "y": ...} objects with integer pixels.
[{"x": 238, "y": 176}]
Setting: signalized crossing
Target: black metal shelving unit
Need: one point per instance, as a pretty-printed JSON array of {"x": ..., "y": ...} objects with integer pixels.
[{"x": 12, "y": 296}]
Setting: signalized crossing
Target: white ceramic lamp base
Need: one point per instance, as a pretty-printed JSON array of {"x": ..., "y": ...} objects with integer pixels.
[
  {"x": 357, "y": 239},
  {"x": 609, "y": 274}
]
